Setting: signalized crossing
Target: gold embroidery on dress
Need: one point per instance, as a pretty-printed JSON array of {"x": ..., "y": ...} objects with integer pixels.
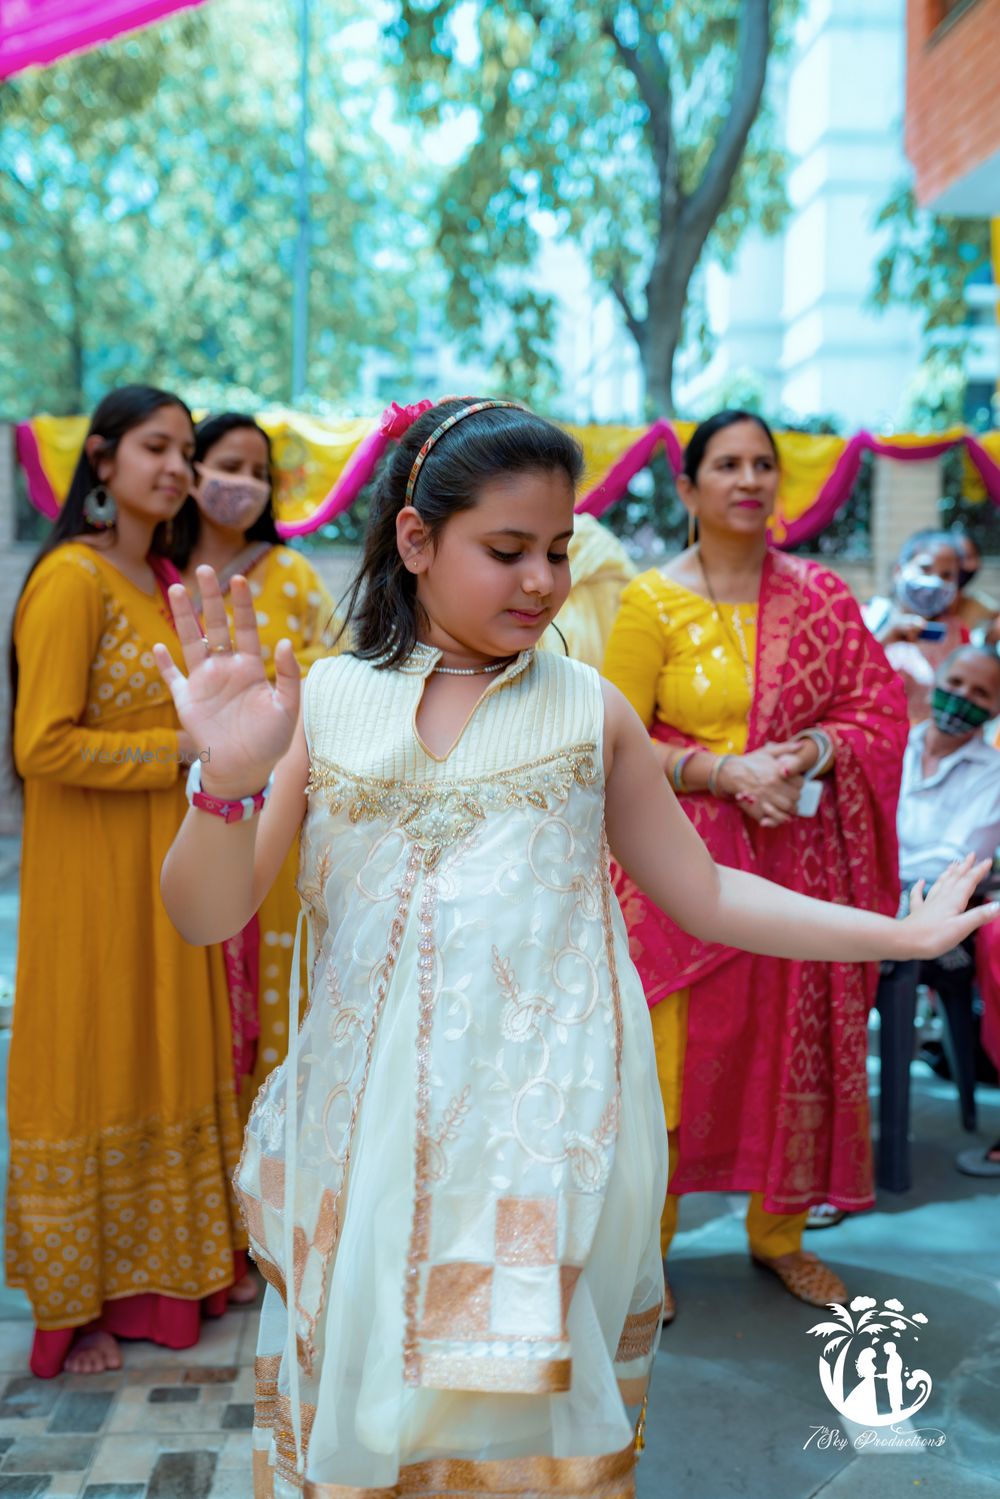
[
  {"x": 326, "y": 1233},
  {"x": 420, "y": 1230},
  {"x": 436, "y": 814},
  {"x": 638, "y": 1334},
  {"x": 284, "y": 1438},
  {"x": 610, "y": 1476},
  {"x": 266, "y": 1389}
]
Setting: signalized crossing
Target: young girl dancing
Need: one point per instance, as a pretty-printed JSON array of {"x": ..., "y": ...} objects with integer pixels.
[{"x": 458, "y": 1198}]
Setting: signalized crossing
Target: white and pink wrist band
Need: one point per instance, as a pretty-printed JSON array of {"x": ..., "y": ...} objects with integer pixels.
[{"x": 235, "y": 811}]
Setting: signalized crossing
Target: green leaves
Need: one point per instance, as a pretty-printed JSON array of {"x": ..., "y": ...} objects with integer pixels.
[
  {"x": 607, "y": 117},
  {"x": 928, "y": 262},
  {"x": 148, "y": 213}
]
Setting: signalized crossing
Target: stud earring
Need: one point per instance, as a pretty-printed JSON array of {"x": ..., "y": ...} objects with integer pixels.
[{"x": 99, "y": 508}]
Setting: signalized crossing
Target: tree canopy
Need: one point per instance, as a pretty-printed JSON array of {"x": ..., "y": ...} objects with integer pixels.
[
  {"x": 636, "y": 128},
  {"x": 147, "y": 213}
]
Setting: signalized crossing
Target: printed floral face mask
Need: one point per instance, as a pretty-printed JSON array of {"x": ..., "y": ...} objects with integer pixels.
[{"x": 233, "y": 500}]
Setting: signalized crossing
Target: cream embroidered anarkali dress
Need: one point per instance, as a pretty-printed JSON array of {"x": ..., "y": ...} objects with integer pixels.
[{"x": 468, "y": 1179}]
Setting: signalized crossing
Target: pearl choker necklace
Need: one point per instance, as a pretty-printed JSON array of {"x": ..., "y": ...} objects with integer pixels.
[{"x": 471, "y": 671}]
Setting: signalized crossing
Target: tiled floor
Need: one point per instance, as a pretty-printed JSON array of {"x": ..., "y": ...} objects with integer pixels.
[
  {"x": 735, "y": 1397},
  {"x": 168, "y": 1426}
]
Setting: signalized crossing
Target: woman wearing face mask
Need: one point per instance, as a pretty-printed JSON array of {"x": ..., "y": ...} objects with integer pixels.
[
  {"x": 753, "y": 671},
  {"x": 917, "y": 625},
  {"x": 123, "y": 1122},
  {"x": 228, "y": 525}
]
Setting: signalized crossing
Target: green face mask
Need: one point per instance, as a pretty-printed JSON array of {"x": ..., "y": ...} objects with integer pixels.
[{"x": 955, "y": 715}]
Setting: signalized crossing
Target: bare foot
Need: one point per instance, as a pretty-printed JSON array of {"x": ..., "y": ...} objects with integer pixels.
[
  {"x": 245, "y": 1290},
  {"x": 93, "y": 1353}
]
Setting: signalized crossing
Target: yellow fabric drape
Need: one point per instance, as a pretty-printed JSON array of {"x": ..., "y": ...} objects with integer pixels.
[{"x": 310, "y": 454}]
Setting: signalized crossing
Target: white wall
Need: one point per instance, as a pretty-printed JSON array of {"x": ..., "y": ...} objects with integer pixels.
[{"x": 794, "y": 307}]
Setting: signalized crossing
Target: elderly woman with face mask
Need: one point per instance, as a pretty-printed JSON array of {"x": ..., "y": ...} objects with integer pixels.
[
  {"x": 228, "y": 525},
  {"x": 918, "y": 625}
]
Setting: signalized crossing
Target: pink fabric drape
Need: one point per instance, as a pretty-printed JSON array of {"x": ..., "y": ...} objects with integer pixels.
[
  {"x": 832, "y": 495},
  {"x": 775, "y": 1092},
  {"x": 39, "y": 32}
]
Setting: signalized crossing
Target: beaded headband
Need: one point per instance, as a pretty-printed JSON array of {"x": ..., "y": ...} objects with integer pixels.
[{"x": 439, "y": 432}]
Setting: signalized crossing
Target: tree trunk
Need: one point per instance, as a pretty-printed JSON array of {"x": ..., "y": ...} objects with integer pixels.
[
  {"x": 658, "y": 352},
  {"x": 666, "y": 296}
]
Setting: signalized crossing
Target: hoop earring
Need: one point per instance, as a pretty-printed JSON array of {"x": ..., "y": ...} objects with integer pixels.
[
  {"x": 99, "y": 508},
  {"x": 692, "y": 530}
]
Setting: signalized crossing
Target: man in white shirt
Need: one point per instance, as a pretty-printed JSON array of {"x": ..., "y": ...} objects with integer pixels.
[
  {"x": 949, "y": 805},
  {"x": 949, "y": 800}
]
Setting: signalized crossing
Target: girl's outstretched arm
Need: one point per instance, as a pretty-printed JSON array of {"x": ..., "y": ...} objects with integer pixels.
[
  {"x": 216, "y": 874},
  {"x": 656, "y": 845}
]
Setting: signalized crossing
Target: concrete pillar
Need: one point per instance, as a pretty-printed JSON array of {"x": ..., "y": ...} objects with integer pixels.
[
  {"x": 8, "y": 499},
  {"x": 905, "y": 498}
]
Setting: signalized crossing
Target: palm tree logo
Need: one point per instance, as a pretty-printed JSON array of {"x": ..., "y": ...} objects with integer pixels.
[{"x": 868, "y": 1387}]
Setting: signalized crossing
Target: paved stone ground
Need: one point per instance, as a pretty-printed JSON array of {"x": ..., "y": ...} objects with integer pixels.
[{"x": 736, "y": 1408}]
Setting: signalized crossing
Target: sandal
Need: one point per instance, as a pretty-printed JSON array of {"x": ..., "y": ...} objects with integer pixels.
[
  {"x": 824, "y": 1215},
  {"x": 669, "y": 1304},
  {"x": 979, "y": 1162},
  {"x": 807, "y": 1278}
]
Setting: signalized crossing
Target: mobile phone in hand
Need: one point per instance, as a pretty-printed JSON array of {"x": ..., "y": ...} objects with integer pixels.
[
  {"x": 932, "y": 630},
  {"x": 809, "y": 799}
]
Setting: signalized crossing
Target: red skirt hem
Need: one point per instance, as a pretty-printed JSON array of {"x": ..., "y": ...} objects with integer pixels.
[{"x": 166, "y": 1320}]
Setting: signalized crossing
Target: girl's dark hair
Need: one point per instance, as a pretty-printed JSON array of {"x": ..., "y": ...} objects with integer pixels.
[
  {"x": 702, "y": 435},
  {"x": 381, "y": 612},
  {"x": 121, "y": 410},
  {"x": 187, "y": 522}
]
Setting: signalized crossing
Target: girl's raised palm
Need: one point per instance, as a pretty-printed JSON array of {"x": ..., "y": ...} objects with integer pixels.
[{"x": 225, "y": 702}]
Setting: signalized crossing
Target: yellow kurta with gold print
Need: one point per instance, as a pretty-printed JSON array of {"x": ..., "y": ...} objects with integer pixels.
[
  {"x": 681, "y": 661},
  {"x": 122, "y": 1114}
]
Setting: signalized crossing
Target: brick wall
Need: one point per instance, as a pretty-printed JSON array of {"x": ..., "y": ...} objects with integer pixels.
[{"x": 952, "y": 97}]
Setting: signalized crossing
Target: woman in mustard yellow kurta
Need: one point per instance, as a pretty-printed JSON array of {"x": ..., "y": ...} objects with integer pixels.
[
  {"x": 122, "y": 1114},
  {"x": 228, "y": 524}
]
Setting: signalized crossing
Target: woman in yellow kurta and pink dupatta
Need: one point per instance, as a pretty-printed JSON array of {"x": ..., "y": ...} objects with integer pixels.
[
  {"x": 751, "y": 669},
  {"x": 228, "y": 523},
  {"x": 121, "y": 1107}
]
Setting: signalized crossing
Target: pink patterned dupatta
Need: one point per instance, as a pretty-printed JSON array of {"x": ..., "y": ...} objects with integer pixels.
[{"x": 775, "y": 1085}]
